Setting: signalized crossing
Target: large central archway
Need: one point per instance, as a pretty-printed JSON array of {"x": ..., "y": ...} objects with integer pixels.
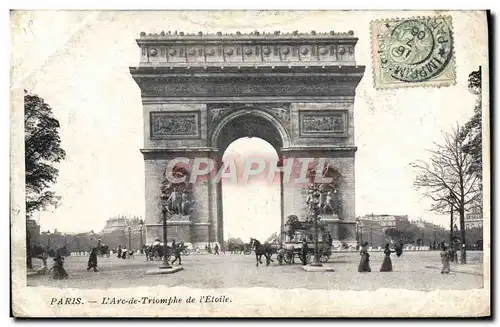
[
  {"x": 251, "y": 203},
  {"x": 202, "y": 92},
  {"x": 241, "y": 123}
]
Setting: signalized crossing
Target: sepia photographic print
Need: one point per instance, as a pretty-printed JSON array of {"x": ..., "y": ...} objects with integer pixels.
[{"x": 250, "y": 164}]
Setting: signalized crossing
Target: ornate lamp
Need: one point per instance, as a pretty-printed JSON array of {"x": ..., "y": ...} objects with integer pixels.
[
  {"x": 314, "y": 201},
  {"x": 165, "y": 264},
  {"x": 141, "y": 223}
]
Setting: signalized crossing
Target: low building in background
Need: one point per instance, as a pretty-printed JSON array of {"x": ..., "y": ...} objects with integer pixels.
[
  {"x": 382, "y": 228},
  {"x": 124, "y": 231}
]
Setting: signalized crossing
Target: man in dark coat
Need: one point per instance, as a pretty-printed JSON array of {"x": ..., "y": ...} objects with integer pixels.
[
  {"x": 92, "y": 260},
  {"x": 216, "y": 249},
  {"x": 177, "y": 250},
  {"x": 119, "y": 252},
  {"x": 305, "y": 250}
]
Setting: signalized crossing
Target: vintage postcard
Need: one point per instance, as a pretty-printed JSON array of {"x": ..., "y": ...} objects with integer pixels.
[{"x": 250, "y": 164}]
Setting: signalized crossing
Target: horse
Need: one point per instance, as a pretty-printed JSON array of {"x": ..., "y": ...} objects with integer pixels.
[{"x": 261, "y": 250}]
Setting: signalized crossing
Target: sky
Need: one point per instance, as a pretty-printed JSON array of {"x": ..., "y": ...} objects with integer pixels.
[{"x": 79, "y": 63}]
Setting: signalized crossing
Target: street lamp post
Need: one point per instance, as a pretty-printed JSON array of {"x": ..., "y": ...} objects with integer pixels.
[
  {"x": 313, "y": 208},
  {"x": 434, "y": 245},
  {"x": 129, "y": 238},
  {"x": 371, "y": 234},
  {"x": 357, "y": 231},
  {"x": 165, "y": 264},
  {"x": 48, "y": 239},
  {"x": 141, "y": 222}
]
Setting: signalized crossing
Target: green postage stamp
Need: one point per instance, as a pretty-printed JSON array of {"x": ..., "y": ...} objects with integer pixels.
[{"x": 409, "y": 52}]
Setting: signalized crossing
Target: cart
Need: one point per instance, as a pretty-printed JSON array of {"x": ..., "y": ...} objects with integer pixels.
[{"x": 293, "y": 235}]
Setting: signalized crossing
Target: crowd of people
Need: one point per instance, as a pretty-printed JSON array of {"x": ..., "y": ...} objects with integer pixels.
[{"x": 447, "y": 254}]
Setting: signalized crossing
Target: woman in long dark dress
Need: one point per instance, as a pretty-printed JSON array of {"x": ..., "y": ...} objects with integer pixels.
[
  {"x": 364, "y": 264},
  {"x": 387, "y": 263},
  {"x": 445, "y": 260}
]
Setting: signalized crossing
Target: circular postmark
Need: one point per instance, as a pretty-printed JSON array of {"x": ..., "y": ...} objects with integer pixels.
[{"x": 416, "y": 50}]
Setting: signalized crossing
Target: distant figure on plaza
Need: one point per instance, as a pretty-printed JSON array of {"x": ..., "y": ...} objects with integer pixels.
[
  {"x": 387, "y": 263},
  {"x": 44, "y": 268},
  {"x": 58, "y": 271},
  {"x": 305, "y": 250},
  {"x": 92, "y": 264},
  {"x": 216, "y": 249},
  {"x": 177, "y": 251},
  {"x": 173, "y": 245},
  {"x": 119, "y": 252},
  {"x": 364, "y": 264},
  {"x": 330, "y": 239},
  {"x": 209, "y": 248},
  {"x": 445, "y": 260}
]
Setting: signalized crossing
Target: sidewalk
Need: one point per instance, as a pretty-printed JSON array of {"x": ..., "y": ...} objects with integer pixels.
[{"x": 470, "y": 269}]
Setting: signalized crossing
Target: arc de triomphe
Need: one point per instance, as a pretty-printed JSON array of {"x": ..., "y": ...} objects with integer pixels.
[{"x": 295, "y": 91}]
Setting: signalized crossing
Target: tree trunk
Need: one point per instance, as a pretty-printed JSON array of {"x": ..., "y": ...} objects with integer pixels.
[
  {"x": 463, "y": 256},
  {"x": 29, "y": 261}
]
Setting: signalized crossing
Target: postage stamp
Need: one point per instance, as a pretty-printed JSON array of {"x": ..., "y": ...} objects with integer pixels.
[{"x": 412, "y": 52}]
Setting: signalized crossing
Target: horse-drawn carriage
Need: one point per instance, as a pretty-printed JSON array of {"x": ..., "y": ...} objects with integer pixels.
[
  {"x": 293, "y": 237},
  {"x": 156, "y": 251}
]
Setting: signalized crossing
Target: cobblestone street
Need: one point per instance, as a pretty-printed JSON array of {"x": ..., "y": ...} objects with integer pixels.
[{"x": 413, "y": 271}]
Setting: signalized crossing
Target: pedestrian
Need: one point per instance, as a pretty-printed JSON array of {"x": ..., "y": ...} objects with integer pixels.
[
  {"x": 364, "y": 264},
  {"x": 387, "y": 263},
  {"x": 119, "y": 252},
  {"x": 445, "y": 260},
  {"x": 58, "y": 271},
  {"x": 124, "y": 253},
  {"x": 43, "y": 269},
  {"x": 216, "y": 249},
  {"x": 92, "y": 260},
  {"x": 330, "y": 238},
  {"x": 99, "y": 247},
  {"x": 305, "y": 251},
  {"x": 177, "y": 253}
]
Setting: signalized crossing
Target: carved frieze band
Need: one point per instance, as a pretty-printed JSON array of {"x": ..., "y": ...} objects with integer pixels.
[
  {"x": 331, "y": 123},
  {"x": 218, "y": 111},
  {"x": 255, "y": 87},
  {"x": 175, "y": 125}
]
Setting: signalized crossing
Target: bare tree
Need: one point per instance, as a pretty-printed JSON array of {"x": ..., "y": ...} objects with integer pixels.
[{"x": 447, "y": 179}]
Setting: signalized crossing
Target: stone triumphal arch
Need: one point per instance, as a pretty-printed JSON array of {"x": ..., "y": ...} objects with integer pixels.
[{"x": 201, "y": 92}]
